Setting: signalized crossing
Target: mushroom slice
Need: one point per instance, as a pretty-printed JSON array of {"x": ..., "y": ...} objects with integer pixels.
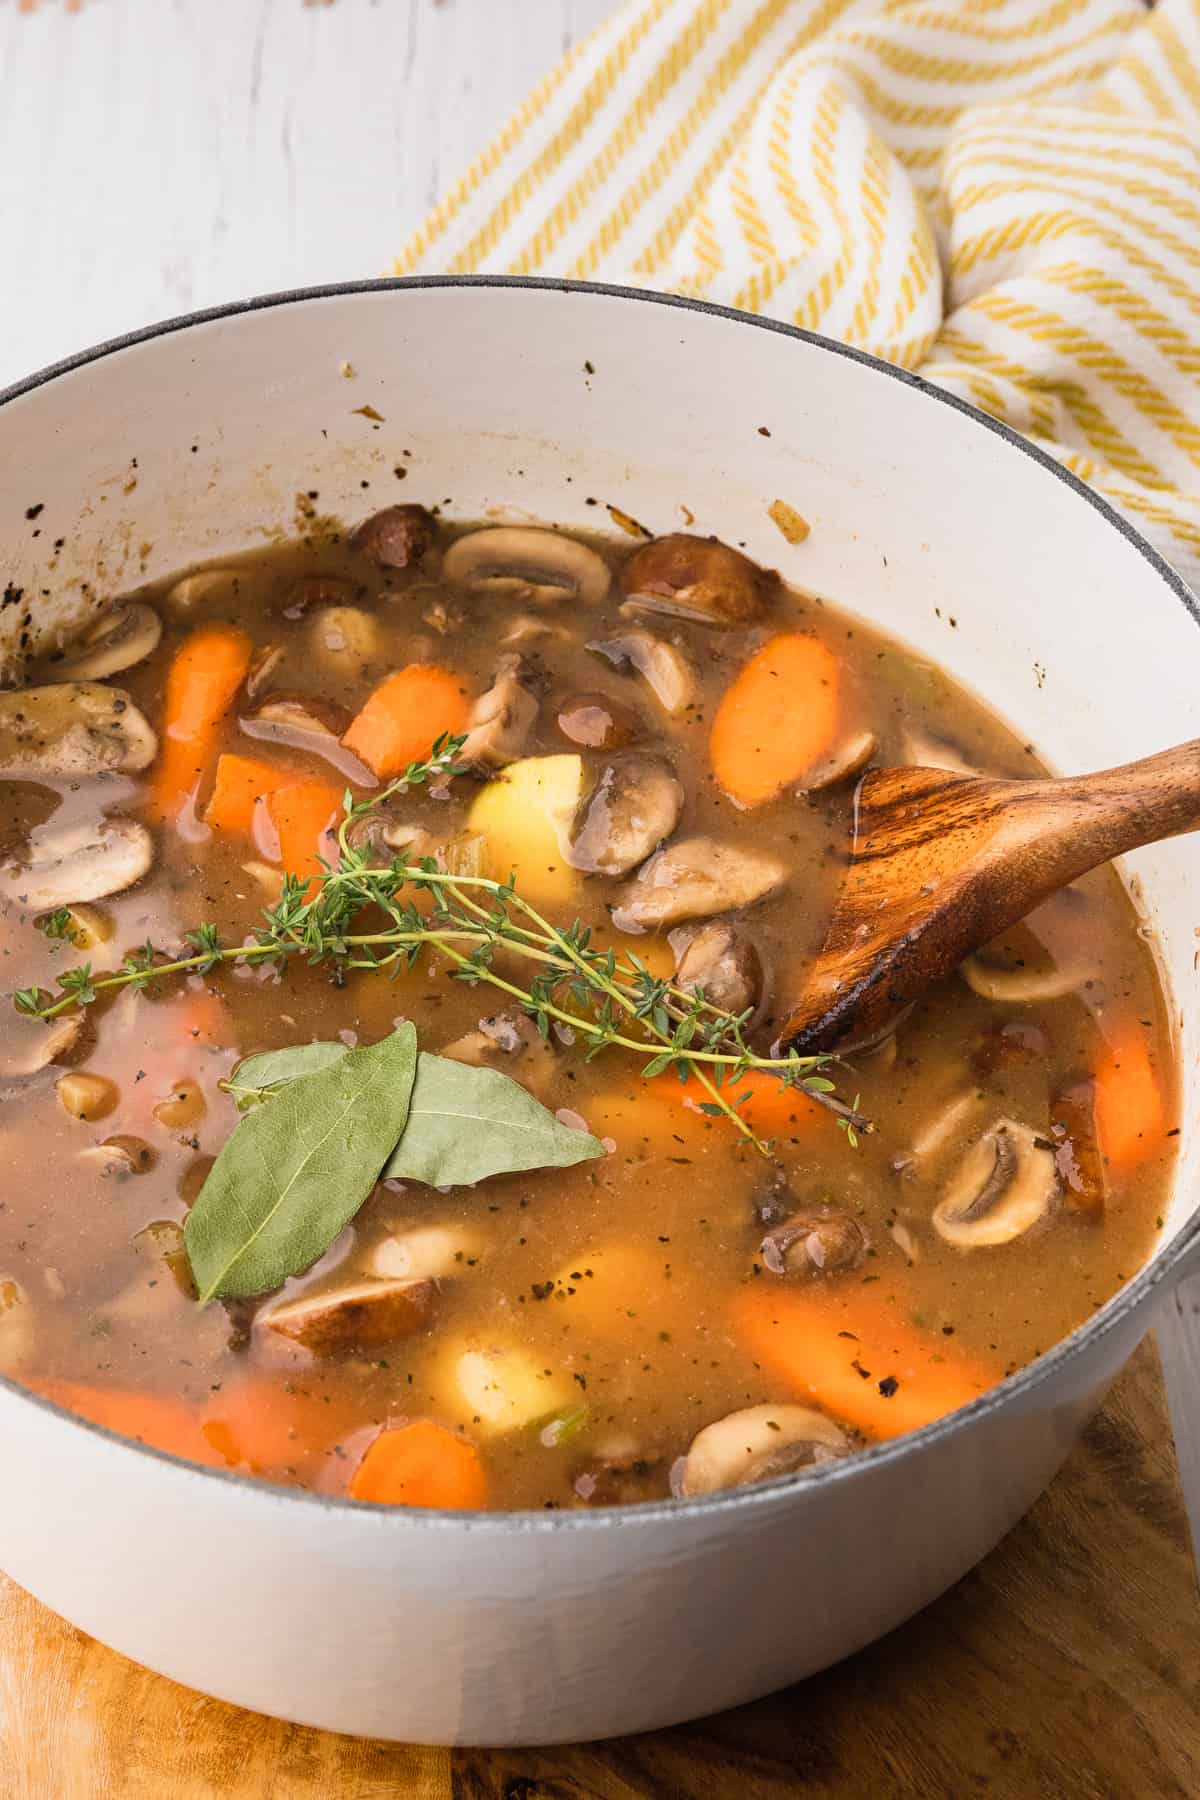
[
  {"x": 722, "y": 961},
  {"x": 500, "y": 721},
  {"x": 1005, "y": 1184},
  {"x": 847, "y": 761},
  {"x": 823, "y": 1241},
  {"x": 123, "y": 636},
  {"x": 399, "y": 537},
  {"x": 27, "y": 1046},
  {"x": 633, "y": 807},
  {"x": 308, "y": 593},
  {"x": 552, "y": 564},
  {"x": 664, "y": 669},
  {"x": 758, "y": 1443},
  {"x": 308, "y": 722},
  {"x": 1018, "y": 986},
  {"x": 1077, "y": 1153},
  {"x": 693, "y": 879},
  {"x": 73, "y": 728},
  {"x": 527, "y": 628},
  {"x": 697, "y": 578},
  {"x": 937, "y": 1131},
  {"x": 77, "y": 862},
  {"x": 354, "y": 1317},
  {"x": 119, "y": 1157},
  {"x": 919, "y": 750}
]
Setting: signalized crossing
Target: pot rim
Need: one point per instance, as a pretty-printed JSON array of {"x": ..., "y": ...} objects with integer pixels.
[{"x": 1160, "y": 1267}]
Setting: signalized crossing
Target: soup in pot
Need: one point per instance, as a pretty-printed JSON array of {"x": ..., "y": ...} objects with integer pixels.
[{"x": 398, "y": 924}]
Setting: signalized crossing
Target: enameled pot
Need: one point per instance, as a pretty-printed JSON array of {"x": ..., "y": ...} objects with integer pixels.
[{"x": 535, "y": 400}]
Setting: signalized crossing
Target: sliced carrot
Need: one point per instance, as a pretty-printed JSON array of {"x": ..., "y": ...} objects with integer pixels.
[
  {"x": 155, "y": 1419},
  {"x": 241, "y": 783},
  {"x": 844, "y": 1346},
  {"x": 1131, "y": 1110},
  {"x": 422, "y": 1464},
  {"x": 777, "y": 720},
  {"x": 772, "y": 1109},
  {"x": 304, "y": 813},
  {"x": 276, "y": 1427},
  {"x": 207, "y": 672},
  {"x": 400, "y": 721}
]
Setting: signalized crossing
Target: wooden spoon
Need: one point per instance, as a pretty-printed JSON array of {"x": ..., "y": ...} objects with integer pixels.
[{"x": 942, "y": 863}]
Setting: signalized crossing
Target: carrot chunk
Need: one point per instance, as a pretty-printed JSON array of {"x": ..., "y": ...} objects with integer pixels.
[
  {"x": 855, "y": 1353},
  {"x": 422, "y": 1464},
  {"x": 155, "y": 1419},
  {"x": 404, "y": 715},
  {"x": 777, "y": 719},
  {"x": 241, "y": 783},
  {"x": 304, "y": 814},
  {"x": 771, "y": 1109},
  {"x": 1131, "y": 1111},
  {"x": 207, "y": 672}
]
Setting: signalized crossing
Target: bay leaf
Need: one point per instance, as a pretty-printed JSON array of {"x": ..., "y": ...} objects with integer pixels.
[
  {"x": 467, "y": 1123},
  {"x": 464, "y": 1123},
  {"x": 256, "y": 1077},
  {"x": 295, "y": 1172}
]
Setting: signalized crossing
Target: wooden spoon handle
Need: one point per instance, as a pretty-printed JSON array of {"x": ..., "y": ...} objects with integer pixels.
[{"x": 1118, "y": 809}]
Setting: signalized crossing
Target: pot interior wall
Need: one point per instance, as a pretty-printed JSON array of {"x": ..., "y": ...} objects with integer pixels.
[{"x": 550, "y": 405}]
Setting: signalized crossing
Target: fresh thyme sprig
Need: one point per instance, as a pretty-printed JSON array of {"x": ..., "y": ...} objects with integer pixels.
[{"x": 609, "y": 999}]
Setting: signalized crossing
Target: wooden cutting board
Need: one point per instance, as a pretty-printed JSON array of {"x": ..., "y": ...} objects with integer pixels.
[{"x": 1065, "y": 1666}]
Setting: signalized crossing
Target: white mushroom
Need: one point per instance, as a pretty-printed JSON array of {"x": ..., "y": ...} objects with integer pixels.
[
  {"x": 758, "y": 1443},
  {"x": 507, "y": 1034},
  {"x": 545, "y": 560},
  {"x": 426, "y": 1253},
  {"x": 722, "y": 960},
  {"x": 1005, "y": 1184},
  {"x": 941, "y": 1126},
  {"x": 357, "y": 1316},
  {"x": 693, "y": 879},
  {"x": 664, "y": 668},
  {"x": 633, "y": 807},
  {"x": 72, "y": 728},
  {"x": 847, "y": 761},
  {"x": 920, "y": 750},
  {"x": 500, "y": 721},
  {"x": 77, "y": 862},
  {"x": 1017, "y": 985},
  {"x": 118, "y": 1158},
  {"x": 123, "y": 636}
]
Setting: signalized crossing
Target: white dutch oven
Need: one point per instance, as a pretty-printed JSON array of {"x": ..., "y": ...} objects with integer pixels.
[{"x": 926, "y": 518}]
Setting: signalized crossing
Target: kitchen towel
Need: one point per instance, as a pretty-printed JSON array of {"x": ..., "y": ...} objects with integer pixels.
[{"x": 1001, "y": 194}]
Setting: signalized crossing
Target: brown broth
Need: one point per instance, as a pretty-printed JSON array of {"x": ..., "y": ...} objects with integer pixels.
[{"x": 616, "y": 1280}]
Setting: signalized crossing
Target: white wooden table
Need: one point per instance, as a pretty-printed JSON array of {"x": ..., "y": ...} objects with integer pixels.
[{"x": 162, "y": 155}]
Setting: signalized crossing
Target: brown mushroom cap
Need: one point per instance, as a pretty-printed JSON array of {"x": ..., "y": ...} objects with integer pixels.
[
  {"x": 697, "y": 578},
  {"x": 1077, "y": 1154},
  {"x": 399, "y": 537},
  {"x": 825, "y": 1240},
  {"x": 722, "y": 961},
  {"x": 662, "y": 666}
]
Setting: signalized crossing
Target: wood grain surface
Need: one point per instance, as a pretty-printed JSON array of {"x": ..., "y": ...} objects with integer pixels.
[{"x": 1063, "y": 1668}]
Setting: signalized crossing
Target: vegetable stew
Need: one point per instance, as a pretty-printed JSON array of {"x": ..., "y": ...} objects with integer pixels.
[{"x": 397, "y": 923}]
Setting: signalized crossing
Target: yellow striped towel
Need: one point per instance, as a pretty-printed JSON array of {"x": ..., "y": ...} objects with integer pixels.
[{"x": 1004, "y": 194}]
